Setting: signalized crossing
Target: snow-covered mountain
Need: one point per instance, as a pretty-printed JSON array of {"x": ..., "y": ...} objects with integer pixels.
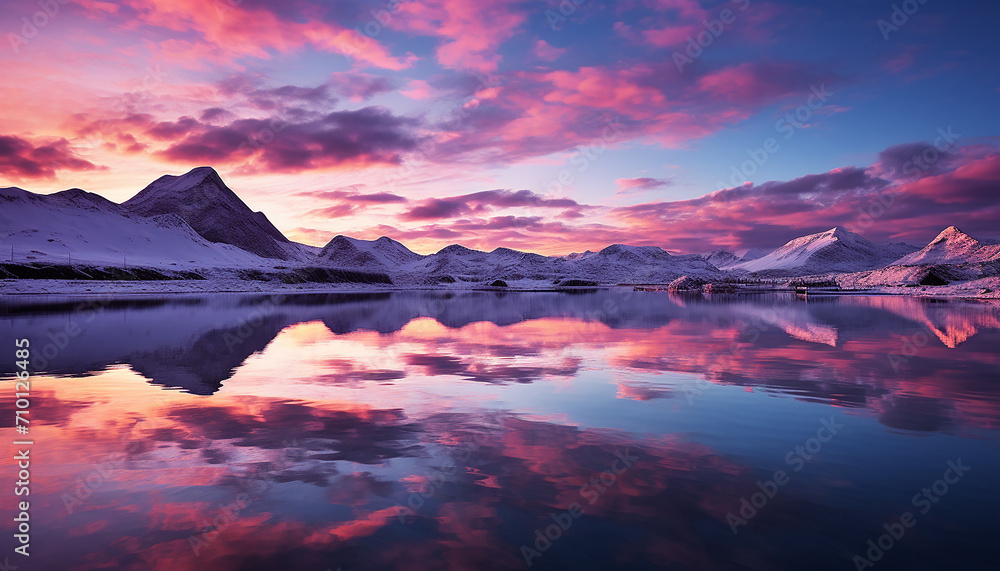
[
  {"x": 836, "y": 250},
  {"x": 722, "y": 258},
  {"x": 74, "y": 226},
  {"x": 952, "y": 257},
  {"x": 726, "y": 259},
  {"x": 952, "y": 246},
  {"x": 375, "y": 255},
  {"x": 213, "y": 210},
  {"x": 196, "y": 222},
  {"x": 455, "y": 263},
  {"x": 620, "y": 263},
  {"x": 753, "y": 254}
]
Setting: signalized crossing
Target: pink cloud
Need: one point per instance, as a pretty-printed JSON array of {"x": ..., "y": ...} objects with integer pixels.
[
  {"x": 471, "y": 31},
  {"x": 751, "y": 82},
  {"x": 636, "y": 185},
  {"x": 961, "y": 190},
  {"x": 240, "y": 30},
  {"x": 39, "y": 159},
  {"x": 419, "y": 89},
  {"x": 541, "y": 112},
  {"x": 547, "y": 51}
]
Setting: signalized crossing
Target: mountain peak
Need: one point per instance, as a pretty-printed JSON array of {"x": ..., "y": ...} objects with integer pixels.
[
  {"x": 952, "y": 246},
  {"x": 949, "y": 233},
  {"x": 837, "y": 249},
  {"x": 201, "y": 171},
  {"x": 455, "y": 249},
  {"x": 202, "y": 199}
]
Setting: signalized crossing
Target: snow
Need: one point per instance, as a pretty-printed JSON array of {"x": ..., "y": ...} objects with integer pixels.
[
  {"x": 84, "y": 228},
  {"x": 952, "y": 246},
  {"x": 376, "y": 255},
  {"x": 722, "y": 259},
  {"x": 212, "y": 209},
  {"x": 836, "y": 250},
  {"x": 194, "y": 222},
  {"x": 753, "y": 254}
]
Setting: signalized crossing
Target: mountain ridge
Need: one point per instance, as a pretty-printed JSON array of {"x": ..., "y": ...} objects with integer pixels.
[
  {"x": 195, "y": 218},
  {"x": 953, "y": 246}
]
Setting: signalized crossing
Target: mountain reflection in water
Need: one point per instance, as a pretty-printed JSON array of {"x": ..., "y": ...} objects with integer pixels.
[{"x": 442, "y": 430}]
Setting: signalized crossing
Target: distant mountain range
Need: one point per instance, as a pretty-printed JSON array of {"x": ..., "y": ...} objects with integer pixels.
[{"x": 195, "y": 223}]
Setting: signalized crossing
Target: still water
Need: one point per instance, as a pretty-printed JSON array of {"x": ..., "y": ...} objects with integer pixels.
[{"x": 424, "y": 431}]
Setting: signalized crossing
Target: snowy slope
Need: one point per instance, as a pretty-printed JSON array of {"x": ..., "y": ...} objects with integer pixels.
[
  {"x": 619, "y": 263},
  {"x": 459, "y": 261},
  {"x": 952, "y": 246},
  {"x": 195, "y": 221},
  {"x": 377, "y": 255},
  {"x": 722, "y": 258},
  {"x": 615, "y": 264},
  {"x": 836, "y": 250},
  {"x": 81, "y": 227},
  {"x": 754, "y": 254},
  {"x": 212, "y": 209}
]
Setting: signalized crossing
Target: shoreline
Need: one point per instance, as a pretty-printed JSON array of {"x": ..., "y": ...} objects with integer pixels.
[{"x": 98, "y": 288}]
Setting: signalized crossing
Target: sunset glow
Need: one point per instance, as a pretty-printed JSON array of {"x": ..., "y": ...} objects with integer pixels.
[{"x": 542, "y": 126}]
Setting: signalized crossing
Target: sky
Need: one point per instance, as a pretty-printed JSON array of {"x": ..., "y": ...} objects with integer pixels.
[{"x": 542, "y": 125}]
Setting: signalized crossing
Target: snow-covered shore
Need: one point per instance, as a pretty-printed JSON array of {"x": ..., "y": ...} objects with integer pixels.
[{"x": 986, "y": 288}]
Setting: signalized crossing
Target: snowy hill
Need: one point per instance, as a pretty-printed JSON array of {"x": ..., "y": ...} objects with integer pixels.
[
  {"x": 952, "y": 246},
  {"x": 379, "y": 255},
  {"x": 77, "y": 226},
  {"x": 638, "y": 264},
  {"x": 722, "y": 258},
  {"x": 456, "y": 263},
  {"x": 754, "y": 254},
  {"x": 196, "y": 222},
  {"x": 953, "y": 257},
  {"x": 836, "y": 250},
  {"x": 213, "y": 210}
]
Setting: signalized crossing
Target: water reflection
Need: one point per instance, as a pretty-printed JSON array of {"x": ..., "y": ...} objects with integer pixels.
[{"x": 441, "y": 431}]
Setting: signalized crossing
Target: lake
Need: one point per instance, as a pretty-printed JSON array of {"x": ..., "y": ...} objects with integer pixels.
[{"x": 603, "y": 429}]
